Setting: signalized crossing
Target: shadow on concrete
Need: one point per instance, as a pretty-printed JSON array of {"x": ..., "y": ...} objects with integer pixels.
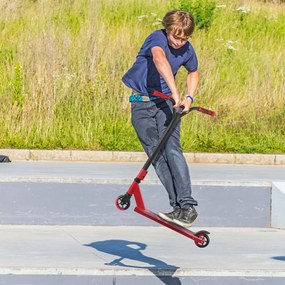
[
  {"x": 282, "y": 258},
  {"x": 131, "y": 251}
]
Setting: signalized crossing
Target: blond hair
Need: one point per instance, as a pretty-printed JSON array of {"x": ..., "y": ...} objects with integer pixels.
[{"x": 181, "y": 23}]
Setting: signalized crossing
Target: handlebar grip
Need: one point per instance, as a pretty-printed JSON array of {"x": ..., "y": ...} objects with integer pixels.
[
  {"x": 179, "y": 110},
  {"x": 161, "y": 95},
  {"x": 206, "y": 111}
]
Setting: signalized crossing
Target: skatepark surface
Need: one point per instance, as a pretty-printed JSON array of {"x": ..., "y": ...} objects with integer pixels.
[{"x": 113, "y": 247}]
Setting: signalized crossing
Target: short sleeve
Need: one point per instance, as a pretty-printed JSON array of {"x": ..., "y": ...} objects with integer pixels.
[
  {"x": 155, "y": 39},
  {"x": 192, "y": 63}
]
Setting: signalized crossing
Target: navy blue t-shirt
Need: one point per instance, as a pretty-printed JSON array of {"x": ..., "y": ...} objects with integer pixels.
[{"x": 143, "y": 75}]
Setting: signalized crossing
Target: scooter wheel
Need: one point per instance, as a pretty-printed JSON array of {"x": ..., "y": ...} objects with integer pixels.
[
  {"x": 204, "y": 237},
  {"x": 121, "y": 204}
]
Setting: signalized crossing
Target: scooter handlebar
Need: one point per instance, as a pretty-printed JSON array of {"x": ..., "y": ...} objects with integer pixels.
[
  {"x": 203, "y": 110},
  {"x": 180, "y": 109}
]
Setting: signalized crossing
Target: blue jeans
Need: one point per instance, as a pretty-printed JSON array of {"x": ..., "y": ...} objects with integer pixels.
[{"x": 150, "y": 120}]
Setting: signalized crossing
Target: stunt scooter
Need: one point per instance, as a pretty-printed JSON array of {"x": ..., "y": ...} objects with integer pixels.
[{"x": 200, "y": 238}]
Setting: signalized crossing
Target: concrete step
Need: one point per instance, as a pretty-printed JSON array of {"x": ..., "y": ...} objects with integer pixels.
[
  {"x": 232, "y": 204},
  {"x": 83, "y": 193},
  {"x": 59, "y": 225},
  {"x": 139, "y": 255}
]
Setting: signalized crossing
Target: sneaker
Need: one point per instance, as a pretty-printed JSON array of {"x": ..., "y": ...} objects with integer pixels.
[
  {"x": 170, "y": 216},
  {"x": 187, "y": 217}
]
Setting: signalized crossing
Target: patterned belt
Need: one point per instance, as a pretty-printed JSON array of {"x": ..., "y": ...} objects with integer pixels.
[{"x": 142, "y": 98}]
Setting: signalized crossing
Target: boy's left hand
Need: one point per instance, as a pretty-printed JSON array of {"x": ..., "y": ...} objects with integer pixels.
[{"x": 186, "y": 103}]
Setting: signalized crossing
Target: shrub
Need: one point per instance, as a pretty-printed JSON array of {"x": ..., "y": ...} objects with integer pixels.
[{"x": 202, "y": 10}]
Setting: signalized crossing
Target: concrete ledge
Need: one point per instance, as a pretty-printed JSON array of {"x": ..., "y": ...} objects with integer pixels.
[
  {"x": 81, "y": 155},
  {"x": 122, "y": 156},
  {"x": 268, "y": 159},
  {"x": 278, "y": 202},
  {"x": 50, "y": 155},
  {"x": 16, "y": 154},
  {"x": 280, "y": 159},
  {"x": 129, "y": 156},
  {"x": 38, "y": 203},
  {"x": 214, "y": 158}
]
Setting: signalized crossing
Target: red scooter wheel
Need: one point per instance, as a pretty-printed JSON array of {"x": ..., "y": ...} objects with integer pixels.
[
  {"x": 122, "y": 204},
  {"x": 205, "y": 240}
]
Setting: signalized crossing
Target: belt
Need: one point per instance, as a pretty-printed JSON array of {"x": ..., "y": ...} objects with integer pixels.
[{"x": 142, "y": 98}]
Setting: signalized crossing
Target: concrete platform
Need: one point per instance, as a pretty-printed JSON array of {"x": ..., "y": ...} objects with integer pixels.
[
  {"x": 139, "y": 255},
  {"x": 34, "y": 193},
  {"x": 77, "y": 193},
  {"x": 277, "y": 205},
  {"x": 94, "y": 204}
]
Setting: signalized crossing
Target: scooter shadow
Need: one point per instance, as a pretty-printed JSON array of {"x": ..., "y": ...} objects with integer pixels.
[
  {"x": 280, "y": 258},
  {"x": 131, "y": 252}
]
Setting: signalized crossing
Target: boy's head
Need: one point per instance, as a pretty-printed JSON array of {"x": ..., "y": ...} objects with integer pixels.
[{"x": 179, "y": 23}]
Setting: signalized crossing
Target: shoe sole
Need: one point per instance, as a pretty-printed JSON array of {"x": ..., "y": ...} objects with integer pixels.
[
  {"x": 164, "y": 217},
  {"x": 174, "y": 221},
  {"x": 184, "y": 225}
]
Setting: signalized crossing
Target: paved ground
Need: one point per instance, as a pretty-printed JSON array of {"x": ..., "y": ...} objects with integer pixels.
[
  {"x": 95, "y": 172},
  {"x": 77, "y": 250},
  {"x": 138, "y": 255}
]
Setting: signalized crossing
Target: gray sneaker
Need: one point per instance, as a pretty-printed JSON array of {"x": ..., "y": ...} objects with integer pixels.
[
  {"x": 170, "y": 216},
  {"x": 187, "y": 217}
]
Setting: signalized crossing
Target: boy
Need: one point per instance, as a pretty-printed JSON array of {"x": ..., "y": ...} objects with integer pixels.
[{"x": 161, "y": 55}]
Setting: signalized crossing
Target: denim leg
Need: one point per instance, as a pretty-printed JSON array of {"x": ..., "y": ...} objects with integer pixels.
[
  {"x": 144, "y": 122},
  {"x": 179, "y": 170},
  {"x": 150, "y": 120},
  {"x": 177, "y": 165}
]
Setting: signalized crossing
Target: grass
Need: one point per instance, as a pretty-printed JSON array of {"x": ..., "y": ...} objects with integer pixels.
[{"x": 61, "y": 65}]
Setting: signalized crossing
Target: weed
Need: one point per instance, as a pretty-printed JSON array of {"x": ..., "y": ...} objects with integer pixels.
[{"x": 61, "y": 64}]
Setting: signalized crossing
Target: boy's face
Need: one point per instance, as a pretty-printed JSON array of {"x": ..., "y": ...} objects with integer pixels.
[{"x": 176, "y": 41}]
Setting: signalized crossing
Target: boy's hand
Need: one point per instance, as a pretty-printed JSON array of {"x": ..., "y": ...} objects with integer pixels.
[
  {"x": 186, "y": 103},
  {"x": 177, "y": 101}
]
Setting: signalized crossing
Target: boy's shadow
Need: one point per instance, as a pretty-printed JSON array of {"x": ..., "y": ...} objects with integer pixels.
[{"x": 130, "y": 250}]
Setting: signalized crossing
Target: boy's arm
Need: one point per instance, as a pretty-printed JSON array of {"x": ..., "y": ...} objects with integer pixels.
[
  {"x": 192, "y": 84},
  {"x": 163, "y": 67}
]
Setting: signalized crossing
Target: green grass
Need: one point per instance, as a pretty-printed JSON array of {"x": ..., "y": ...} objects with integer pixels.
[{"x": 61, "y": 64}]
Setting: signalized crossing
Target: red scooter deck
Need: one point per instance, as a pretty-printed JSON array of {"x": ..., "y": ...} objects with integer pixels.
[{"x": 198, "y": 239}]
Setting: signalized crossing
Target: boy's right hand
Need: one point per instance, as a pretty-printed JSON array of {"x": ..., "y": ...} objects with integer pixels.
[{"x": 177, "y": 101}]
